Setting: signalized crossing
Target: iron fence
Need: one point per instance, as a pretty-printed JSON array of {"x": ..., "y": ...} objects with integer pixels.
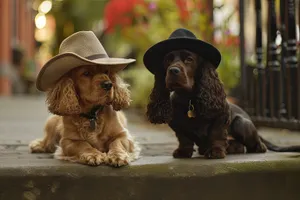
[{"x": 271, "y": 89}]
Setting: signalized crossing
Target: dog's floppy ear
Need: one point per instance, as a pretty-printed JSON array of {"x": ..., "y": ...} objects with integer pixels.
[
  {"x": 159, "y": 109},
  {"x": 121, "y": 93},
  {"x": 62, "y": 98},
  {"x": 210, "y": 90}
]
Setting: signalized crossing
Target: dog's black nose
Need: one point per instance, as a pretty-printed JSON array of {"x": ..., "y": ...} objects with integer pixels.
[
  {"x": 106, "y": 85},
  {"x": 174, "y": 70}
]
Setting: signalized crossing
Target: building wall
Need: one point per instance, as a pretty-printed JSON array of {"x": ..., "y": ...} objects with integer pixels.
[
  {"x": 5, "y": 54},
  {"x": 17, "y": 28}
]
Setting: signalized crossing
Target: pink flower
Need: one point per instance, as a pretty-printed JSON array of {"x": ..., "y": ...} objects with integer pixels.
[{"x": 152, "y": 6}]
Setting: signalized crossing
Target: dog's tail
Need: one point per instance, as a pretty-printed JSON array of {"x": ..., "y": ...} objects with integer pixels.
[{"x": 276, "y": 148}]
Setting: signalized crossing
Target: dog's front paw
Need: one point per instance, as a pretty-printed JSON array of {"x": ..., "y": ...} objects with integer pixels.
[
  {"x": 94, "y": 159},
  {"x": 37, "y": 146},
  {"x": 215, "y": 153},
  {"x": 183, "y": 153},
  {"x": 117, "y": 159},
  {"x": 202, "y": 150},
  {"x": 258, "y": 148},
  {"x": 234, "y": 147}
]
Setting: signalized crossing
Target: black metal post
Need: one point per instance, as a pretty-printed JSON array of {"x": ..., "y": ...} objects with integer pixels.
[
  {"x": 260, "y": 105},
  {"x": 298, "y": 80},
  {"x": 273, "y": 67},
  {"x": 292, "y": 68},
  {"x": 283, "y": 57},
  {"x": 242, "y": 53}
]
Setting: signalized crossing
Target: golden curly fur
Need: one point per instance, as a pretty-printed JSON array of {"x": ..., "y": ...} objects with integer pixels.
[{"x": 68, "y": 134}]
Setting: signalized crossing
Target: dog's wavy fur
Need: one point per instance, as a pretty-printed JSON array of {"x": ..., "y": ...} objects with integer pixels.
[
  {"x": 68, "y": 134},
  {"x": 210, "y": 92},
  {"x": 159, "y": 109}
]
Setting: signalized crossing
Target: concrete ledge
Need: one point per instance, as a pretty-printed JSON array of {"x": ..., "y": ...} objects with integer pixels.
[
  {"x": 242, "y": 177},
  {"x": 156, "y": 176}
]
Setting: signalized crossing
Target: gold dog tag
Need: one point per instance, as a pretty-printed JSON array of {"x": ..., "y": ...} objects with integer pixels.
[{"x": 191, "y": 113}]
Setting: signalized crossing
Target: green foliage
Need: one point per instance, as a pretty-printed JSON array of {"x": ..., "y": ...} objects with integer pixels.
[
  {"x": 75, "y": 15},
  {"x": 161, "y": 21},
  {"x": 229, "y": 69},
  {"x": 141, "y": 82}
]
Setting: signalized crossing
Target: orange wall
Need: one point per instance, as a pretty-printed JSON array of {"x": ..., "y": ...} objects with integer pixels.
[
  {"x": 24, "y": 35},
  {"x": 5, "y": 39}
]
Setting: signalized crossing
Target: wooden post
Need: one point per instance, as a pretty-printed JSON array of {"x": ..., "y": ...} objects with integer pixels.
[
  {"x": 5, "y": 47},
  {"x": 22, "y": 23}
]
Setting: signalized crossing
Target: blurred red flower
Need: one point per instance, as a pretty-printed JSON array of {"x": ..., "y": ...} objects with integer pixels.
[
  {"x": 232, "y": 40},
  {"x": 183, "y": 9},
  {"x": 120, "y": 12}
]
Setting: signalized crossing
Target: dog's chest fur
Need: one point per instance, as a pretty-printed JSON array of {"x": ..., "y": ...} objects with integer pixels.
[
  {"x": 181, "y": 123},
  {"x": 96, "y": 138}
]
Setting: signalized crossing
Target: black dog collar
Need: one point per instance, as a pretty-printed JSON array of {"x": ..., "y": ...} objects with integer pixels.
[{"x": 92, "y": 116}]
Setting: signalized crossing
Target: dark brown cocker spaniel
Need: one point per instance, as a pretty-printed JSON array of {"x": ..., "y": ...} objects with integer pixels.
[{"x": 189, "y": 96}]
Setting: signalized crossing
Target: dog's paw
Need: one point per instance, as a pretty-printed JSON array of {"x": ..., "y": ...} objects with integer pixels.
[
  {"x": 215, "y": 153},
  {"x": 259, "y": 148},
  {"x": 183, "y": 153},
  {"x": 235, "y": 147},
  {"x": 202, "y": 150},
  {"x": 94, "y": 159},
  {"x": 117, "y": 160},
  {"x": 37, "y": 146}
]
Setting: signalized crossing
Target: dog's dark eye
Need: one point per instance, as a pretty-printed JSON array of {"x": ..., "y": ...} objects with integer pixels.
[
  {"x": 86, "y": 73},
  {"x": 168, "y": 59},
  {"x": 189, "y": 59}
]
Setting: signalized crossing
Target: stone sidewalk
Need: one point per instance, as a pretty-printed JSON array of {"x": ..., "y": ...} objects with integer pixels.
[
  {"x": 155, "y": 176},
  {"x": 22, "y": 120}
]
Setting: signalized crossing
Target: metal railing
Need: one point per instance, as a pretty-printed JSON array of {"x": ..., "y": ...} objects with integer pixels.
[{"x": 271, "y": 89}]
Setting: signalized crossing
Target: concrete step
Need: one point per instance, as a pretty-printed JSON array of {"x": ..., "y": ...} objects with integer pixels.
[
  {"x": 273, "y": 176},
  {"x": 156, "y": 176}
]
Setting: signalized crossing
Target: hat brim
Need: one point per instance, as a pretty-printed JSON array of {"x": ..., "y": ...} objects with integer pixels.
[
  {"x": 154, "y": 56},
  {"x": 59, "y": 65}
]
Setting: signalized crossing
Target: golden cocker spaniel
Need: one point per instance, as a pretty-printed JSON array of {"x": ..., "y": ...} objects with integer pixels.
[{"x": 88, "y": 127}]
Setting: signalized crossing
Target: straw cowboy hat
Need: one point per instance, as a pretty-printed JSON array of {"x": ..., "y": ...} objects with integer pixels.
[
  {"x": 180, "y": 39},
  {"x": 80, "y": 49}
]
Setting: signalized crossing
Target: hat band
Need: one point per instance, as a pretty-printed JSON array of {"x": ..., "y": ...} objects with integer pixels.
[{"x": 96, "y": 56}]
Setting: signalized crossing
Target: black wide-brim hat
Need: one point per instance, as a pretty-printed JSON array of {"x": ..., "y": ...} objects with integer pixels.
[{"x": 180, "y": 39}]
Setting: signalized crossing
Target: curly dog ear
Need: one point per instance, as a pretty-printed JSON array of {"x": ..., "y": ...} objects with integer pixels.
[
  {"x": 210, "y": 90},
  {"x": 121, "y": 93},
  {"x": 159, "y": 109},
  {"x": 62, "y": 98}
]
